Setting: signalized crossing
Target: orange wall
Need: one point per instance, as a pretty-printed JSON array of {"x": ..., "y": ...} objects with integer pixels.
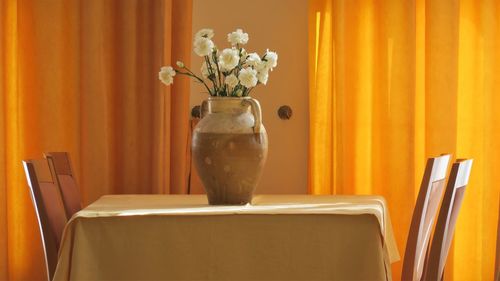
[{"x": 281, "y": 26}]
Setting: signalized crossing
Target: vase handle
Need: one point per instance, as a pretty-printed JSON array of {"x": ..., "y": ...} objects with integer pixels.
[
  {"x": 257, "y": 113},
  {"x": 203, "y": 109}
]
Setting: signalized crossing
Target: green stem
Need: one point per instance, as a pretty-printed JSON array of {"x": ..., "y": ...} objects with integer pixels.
[
  {"x": 218, "y": 69},
  {"x": 210, "y": 72},
  {"x": 191, "y": 74},
  {"x": 248, "y": 91}
]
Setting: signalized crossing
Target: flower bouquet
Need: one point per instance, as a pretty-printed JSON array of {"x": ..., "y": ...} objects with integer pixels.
[{"x": 232, "y": 72}]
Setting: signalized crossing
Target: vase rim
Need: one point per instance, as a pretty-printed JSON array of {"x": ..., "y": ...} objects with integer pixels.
[{"x": 228, "y": 98}]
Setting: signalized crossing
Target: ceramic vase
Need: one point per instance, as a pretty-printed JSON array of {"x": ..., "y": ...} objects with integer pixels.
[{"x": 230, "y": 149}]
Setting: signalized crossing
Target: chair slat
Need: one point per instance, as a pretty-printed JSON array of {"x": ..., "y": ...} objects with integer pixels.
[
  {"x": 60, "y": 164},
  {"x": 424, "y": 214},
  {"x": 49, "y": 209},
  {"x": 448, "y": 214}
]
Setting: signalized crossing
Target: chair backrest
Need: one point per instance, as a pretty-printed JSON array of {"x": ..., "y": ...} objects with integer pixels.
[
  {"x": 424, "y": 214},
  {"x": 49, "y": 209},
  {"x": 445, "y": 226},
  {"x": 60, "y": 164},
  {"x": 497, "y": 262}
]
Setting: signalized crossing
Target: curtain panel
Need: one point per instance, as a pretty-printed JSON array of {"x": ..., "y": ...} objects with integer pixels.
[
  {"x": 81, "y": 76},
  {"x": 394, "y": 82}
]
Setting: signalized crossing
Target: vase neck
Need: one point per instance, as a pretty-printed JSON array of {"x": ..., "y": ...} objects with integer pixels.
[{"x": 228, "y": 105}]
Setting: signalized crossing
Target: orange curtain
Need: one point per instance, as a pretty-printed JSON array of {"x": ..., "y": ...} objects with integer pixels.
[
  {"x": 394, "y": 82},
  {"x": 81, "y": 76}
]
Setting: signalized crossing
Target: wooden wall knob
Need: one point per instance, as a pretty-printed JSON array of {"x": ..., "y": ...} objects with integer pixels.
[
  {"x": 196, "y": 112},
  {"x": 285, "y": 112}
]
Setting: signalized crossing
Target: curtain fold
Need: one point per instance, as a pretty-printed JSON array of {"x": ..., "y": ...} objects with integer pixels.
[
  {"x": 394, "y": 82},
  {"x": 81, "y": 76}
]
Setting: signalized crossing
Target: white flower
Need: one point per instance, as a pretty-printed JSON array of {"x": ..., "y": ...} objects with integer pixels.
[
  {"x": 253, "y": 59},
  {"x": 237, "y": 37},
  {"x": 166, "y": 75},
  {"x": 203, "y": 46},
  {"x": 205, "y": 32},
  {"x": 262, "y": 71},
  {"x": 271, "y": 59},
  {"x": 261, "y": 66},
  {"x": 231, "y": 80},
  {"x": 180, "y": 64},
  {"x": 229, "y": 59},
  {"x": 263, "y": 75},
  {"x": 248, "y": 77}
]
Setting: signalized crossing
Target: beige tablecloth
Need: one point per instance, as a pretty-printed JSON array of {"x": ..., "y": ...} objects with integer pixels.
[{"x": 180, "y": 237}]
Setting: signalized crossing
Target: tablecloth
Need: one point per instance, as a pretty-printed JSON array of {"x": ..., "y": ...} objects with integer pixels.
[{"x": 277, "y": 237}]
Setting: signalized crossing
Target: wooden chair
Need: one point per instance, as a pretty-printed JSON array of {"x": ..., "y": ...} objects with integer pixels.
[
  {"x": 424, "y": 214},
  {"x": 49, "y": 209},
  {"x": 445, "y": 226},
  {"x": 60, "y": 164},
  {"x": 497, "y": 262}
]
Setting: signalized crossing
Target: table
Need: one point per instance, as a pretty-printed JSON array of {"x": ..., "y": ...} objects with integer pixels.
[{"x": 180, "y": 237}]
